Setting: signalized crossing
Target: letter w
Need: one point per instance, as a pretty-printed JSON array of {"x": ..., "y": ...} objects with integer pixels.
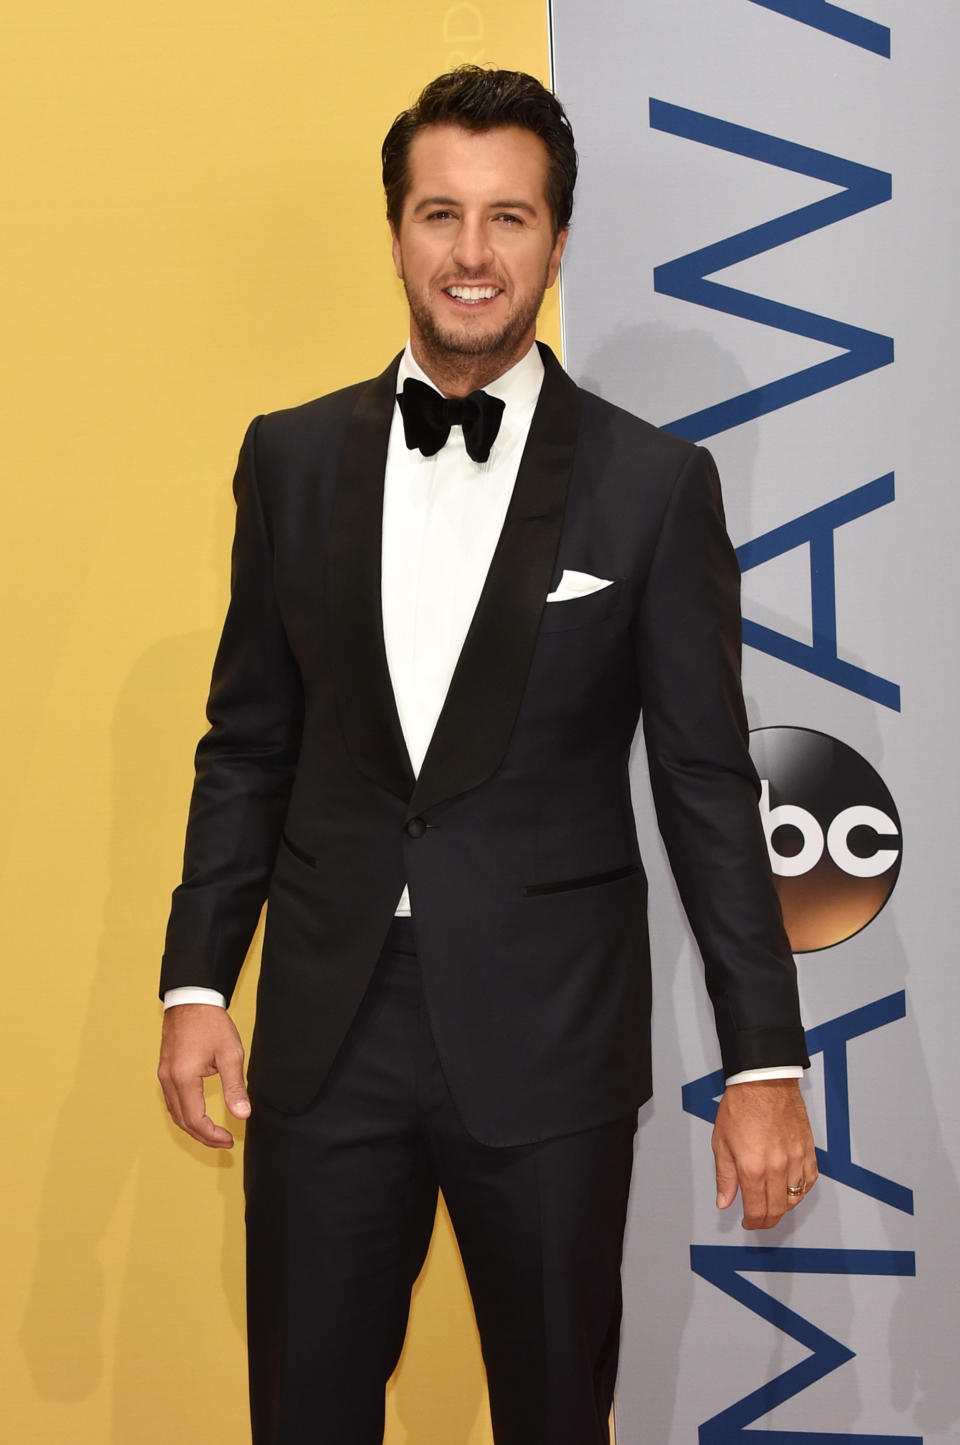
[
  {"x": 722, "y": 1265},
  {"x": 686, "y": 278}
]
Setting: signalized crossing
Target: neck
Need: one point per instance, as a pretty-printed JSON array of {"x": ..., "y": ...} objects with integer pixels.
[{"x": 456, "y": 373}]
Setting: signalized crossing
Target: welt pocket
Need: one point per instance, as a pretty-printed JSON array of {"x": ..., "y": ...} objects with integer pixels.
[
  {"x": 590, "y": 880},
  {"x": 581, "y": 611},
  {"x": 299, "y": 853}
]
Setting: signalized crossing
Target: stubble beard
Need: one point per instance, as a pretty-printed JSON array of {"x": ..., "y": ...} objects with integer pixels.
[{"x": 459, "y": 353}]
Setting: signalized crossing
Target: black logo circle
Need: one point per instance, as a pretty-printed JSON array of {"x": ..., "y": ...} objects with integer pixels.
[{"x": 832, "y": 831}]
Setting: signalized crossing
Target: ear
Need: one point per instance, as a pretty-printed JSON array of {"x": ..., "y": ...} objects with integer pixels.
[
  {"x": 553, "y": 266},
  {"x": 395, "y": 250}
]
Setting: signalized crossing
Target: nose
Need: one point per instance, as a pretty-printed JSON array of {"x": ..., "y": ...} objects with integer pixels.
[{"x": 471, "y": 247}]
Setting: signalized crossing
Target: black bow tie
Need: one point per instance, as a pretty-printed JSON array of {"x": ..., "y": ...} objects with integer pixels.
[{"x": 428, "y": 417}]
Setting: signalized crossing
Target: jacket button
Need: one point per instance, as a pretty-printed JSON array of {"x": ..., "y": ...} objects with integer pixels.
[{"x": 416, "y": 828}]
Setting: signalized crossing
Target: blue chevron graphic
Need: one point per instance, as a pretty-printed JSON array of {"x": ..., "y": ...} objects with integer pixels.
[
  {"x": 834, "y": 20},
  {"x": 861, "y": 187},
  {"x": 723, "y": 1265},
  {"x": 700, "y": 1098}
]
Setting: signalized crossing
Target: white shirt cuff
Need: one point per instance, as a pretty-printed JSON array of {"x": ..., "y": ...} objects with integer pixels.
[
  {"x": 750, "y": 1076},
  {"x": 189, "y": 994}
]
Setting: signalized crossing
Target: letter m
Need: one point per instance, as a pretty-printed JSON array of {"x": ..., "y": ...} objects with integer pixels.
[{"x": 724, "y": 1266}]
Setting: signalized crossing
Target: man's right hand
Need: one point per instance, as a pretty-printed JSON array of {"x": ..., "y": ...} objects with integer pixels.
[{"x": 200, "y": 1039}]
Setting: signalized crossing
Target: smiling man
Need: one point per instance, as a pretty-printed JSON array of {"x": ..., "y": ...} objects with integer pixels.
[{"x": 454, "y": 589}]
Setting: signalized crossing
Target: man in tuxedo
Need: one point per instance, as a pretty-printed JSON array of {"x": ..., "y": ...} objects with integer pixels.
[{"x": 454, "y": 588}]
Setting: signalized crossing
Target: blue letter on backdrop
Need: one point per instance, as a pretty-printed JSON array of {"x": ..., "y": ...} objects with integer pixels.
[
  {"x": 685, "y": 278},
  {"x": 815, "y": 529},
  {"x": 831, "y": 1041},
  {"x": 723, "y": 1265}
]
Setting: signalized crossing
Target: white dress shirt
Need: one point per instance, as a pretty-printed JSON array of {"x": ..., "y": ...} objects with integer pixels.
[{"x": 442, "y": 518}]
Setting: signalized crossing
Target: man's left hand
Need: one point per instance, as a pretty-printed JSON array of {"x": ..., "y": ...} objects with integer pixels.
[{"x": 762, "y": 1145}]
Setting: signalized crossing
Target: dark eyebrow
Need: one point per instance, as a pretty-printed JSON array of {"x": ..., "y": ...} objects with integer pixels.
[
  {"x": 435, "y": 201},
  {"x": 494, "y": 205}
]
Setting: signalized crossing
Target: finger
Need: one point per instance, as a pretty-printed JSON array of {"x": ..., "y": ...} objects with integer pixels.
[
  {"x": 215, "y": 1136},
  {"x": 726, "y": 1176},
  {"x": 171, "y": 1094},
  {"x": 170, "y": 1097},
  {"x": 811, "y": 1169},
  {"x": 797, "y": 1182},
  {"x": 784, "y": 1167},
  {"x": 195, "y": 1120},
  {"x": 230, "y": 1068},
  {"x": 802, "y": 1174},
  {"x": 809, "y": 1175},
  {"x": 753, "y": 1193}
]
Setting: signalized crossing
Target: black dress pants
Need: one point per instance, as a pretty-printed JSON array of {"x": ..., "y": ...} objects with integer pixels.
[{"x": 340, "y": 1208}]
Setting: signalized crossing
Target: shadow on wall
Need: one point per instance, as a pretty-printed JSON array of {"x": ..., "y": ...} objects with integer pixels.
[
  {"x": 654, "y": 369},
  {"x": 113, "y": 1134},
  {"x": 178, "y": 1347}
]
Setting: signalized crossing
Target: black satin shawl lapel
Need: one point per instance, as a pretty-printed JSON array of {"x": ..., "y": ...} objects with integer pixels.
[
  {"x": 366, "y": 703},
  {"x": 483, "y": 700}
]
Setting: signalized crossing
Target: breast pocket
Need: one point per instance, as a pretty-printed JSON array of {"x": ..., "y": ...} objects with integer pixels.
[{"x": 581, "y": 611}]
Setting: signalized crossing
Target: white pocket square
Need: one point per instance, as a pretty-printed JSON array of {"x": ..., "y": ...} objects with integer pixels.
[{"x": 577, "y": 584}]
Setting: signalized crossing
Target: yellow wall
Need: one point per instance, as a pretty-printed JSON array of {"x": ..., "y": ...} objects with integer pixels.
[{"x": 193, "y": 234}]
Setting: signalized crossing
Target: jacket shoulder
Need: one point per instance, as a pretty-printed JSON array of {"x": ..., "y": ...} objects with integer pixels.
[
  {"x": 294, "y": 429},
  {"x": 602, "y": 422}
]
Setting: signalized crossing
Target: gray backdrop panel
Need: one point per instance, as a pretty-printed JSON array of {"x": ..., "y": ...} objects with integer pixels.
[{"x": 656, "y": 186}]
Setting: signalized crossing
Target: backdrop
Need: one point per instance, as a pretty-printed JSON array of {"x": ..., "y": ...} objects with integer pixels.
[
  {"x": 761, "y": 260},
  {"x": 193, "y": 234}
]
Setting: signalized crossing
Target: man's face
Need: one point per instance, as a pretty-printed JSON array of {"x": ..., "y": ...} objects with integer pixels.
[{"x": 475, "y": 248}]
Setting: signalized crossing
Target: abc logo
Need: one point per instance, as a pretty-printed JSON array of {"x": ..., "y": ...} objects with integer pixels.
[{"x": 832, "y": 832}]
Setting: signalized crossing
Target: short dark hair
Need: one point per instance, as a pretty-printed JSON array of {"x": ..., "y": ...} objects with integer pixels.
[{"x": 480, "y": 100}]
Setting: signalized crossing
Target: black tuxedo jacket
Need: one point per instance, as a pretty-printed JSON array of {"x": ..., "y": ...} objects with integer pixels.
[{"x": 517, "y": 839}]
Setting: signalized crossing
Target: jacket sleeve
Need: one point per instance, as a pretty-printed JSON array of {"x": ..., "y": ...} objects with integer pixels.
[
  {"x": 245, "y": 764},
  {"x": 705, "y": 787}
]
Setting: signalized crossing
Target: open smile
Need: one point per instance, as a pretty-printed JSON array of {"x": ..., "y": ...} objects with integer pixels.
[{"x": 472, "y": 295}]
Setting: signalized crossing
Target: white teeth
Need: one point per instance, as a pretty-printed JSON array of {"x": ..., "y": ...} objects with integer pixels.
[{"x": 473, "y": 293}]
